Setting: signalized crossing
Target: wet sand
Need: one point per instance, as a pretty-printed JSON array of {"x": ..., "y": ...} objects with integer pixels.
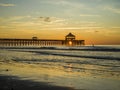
[
  {"x": 14, "y": 83},
  {"x": 33, "y": 71}
]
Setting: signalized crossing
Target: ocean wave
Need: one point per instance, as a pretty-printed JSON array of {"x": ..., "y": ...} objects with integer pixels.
[
  {"x": 79, "y": 56},
  {"x": 75, "y": 48}
]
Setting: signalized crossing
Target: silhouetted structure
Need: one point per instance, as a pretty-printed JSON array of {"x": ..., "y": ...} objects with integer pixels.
[
  {"x": 70, "y": 36},
  {"x": 69, "y": 41}
]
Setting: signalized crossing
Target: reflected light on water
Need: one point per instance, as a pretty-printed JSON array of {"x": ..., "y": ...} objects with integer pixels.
[{"x": 59, "y": 70}]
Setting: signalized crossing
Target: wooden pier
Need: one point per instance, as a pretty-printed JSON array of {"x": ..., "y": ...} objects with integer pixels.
[{"x": 69, "y": 41}]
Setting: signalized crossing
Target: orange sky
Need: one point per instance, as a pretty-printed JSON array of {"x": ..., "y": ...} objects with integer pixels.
[{"x": 95, "y": 21}]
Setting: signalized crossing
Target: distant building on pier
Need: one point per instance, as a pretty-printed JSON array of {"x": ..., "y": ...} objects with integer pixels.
[{"x": 69, "y": 41}]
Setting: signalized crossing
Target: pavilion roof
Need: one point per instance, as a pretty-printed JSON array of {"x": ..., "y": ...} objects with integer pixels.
[{"x": 70, "y": 35}]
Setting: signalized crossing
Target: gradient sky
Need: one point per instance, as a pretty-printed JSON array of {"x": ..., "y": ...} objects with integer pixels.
[{"x": 96, "y": 21}]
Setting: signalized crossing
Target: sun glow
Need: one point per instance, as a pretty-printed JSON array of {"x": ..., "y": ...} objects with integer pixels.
[
  {"x": 70, "y": 42},
  {"x": 99, "y": 27}
]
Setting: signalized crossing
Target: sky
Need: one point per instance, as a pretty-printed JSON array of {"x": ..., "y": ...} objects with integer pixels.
[{"x": 95, "y": 21}]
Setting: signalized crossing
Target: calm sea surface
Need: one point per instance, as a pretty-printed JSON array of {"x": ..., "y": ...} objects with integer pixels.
[{"x": 87, "y": 67}]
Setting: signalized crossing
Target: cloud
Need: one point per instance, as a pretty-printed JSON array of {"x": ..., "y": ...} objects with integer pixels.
[
  {"x": 51, "y": 19},
  {"x": 89, "y": 15},
  {"x": 96, "y": 31},
  {"x": 116, "y": 27},
  {"x": 66, "y": 3},
  {"x": 45, "y": 19},
  {"x": 7, "y": 4},
  {"x": 78, "y": 28},
  {"x": 14, "y": 18},
  {"x": 15, "y": 22},
  {"x": 31, "y": 22},
  {"x": 112, "y": 9}
]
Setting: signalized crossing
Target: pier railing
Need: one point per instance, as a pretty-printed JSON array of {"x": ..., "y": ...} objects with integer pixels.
[{"x": 37, "y": 42}]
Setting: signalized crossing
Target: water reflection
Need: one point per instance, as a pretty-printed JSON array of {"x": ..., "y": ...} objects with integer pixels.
[
  {"x": 68, "y": 68},
  {"x": 60, "y": 70}
]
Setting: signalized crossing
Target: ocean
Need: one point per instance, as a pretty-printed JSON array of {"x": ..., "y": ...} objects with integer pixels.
[{"x": 83, "y": 68}]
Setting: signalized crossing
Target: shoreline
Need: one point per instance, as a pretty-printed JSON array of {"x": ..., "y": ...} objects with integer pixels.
[
  {"x": 46, "y": 70},
  {"x": 74, "y": 48},
  {"x": 14, "y": 83}
]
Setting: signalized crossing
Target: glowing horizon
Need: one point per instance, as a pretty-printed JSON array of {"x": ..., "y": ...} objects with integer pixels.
[{"x": 95, "y": 21}]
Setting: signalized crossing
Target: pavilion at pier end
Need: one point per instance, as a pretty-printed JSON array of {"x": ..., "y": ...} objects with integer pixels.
[{"x": 70, "y": 40}]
